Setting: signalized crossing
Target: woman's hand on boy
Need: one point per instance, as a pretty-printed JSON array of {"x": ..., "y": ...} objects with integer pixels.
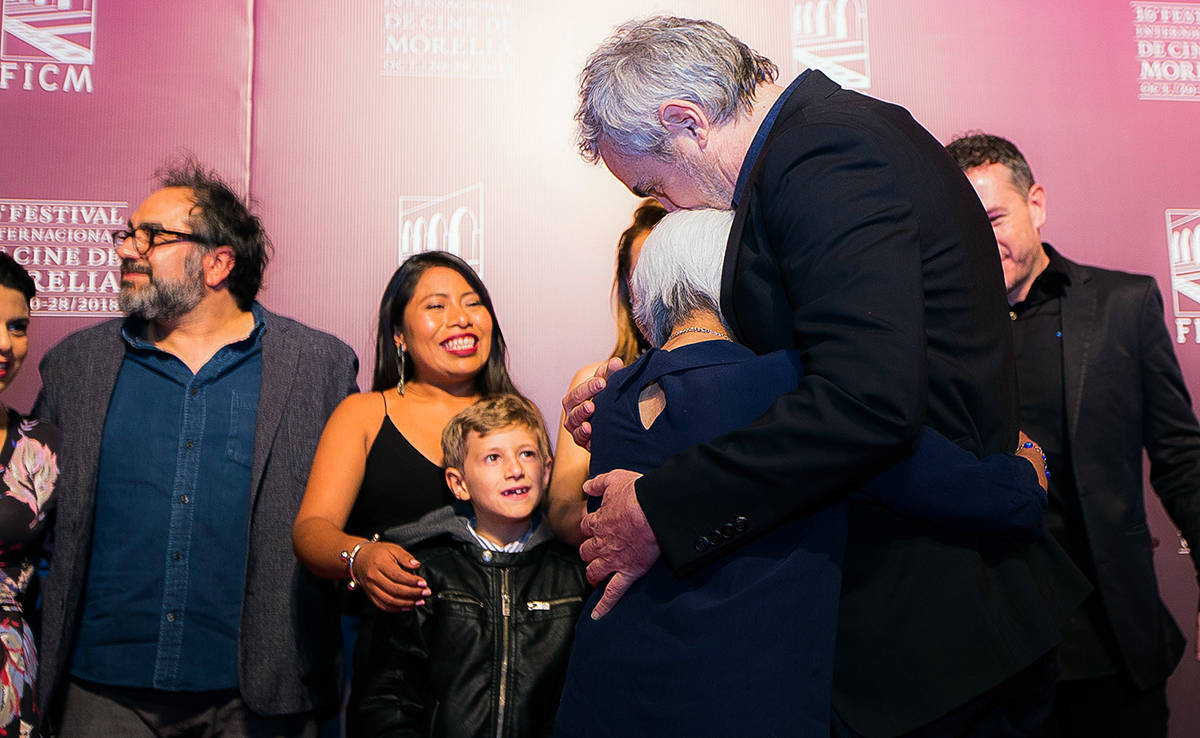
[{"x": 382, "y": 571}]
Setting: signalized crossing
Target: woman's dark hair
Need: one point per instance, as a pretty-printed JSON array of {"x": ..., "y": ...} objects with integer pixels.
[
  {"x": 492, "y": 379},
  {"x": 14, "y": 276},
  {"x": 630, "y": 341}
]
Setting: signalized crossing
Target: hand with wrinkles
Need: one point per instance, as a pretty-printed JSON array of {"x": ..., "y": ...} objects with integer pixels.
[
  {"x": 578, "y": 405},
  {"x": 619, "y": 539}
]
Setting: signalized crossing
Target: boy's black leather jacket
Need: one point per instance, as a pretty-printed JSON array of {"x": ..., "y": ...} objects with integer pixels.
[{"x": 486, "y": 656}]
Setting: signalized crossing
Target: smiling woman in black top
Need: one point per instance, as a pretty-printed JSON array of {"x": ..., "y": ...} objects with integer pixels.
[{"x": 438, "y": 350}]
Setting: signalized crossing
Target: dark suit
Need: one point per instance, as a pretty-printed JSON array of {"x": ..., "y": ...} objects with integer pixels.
[
  {"x": 859, "y": 242},
  {"x": 1124, "y": 390},
  {"x": 289, "y": 639}
]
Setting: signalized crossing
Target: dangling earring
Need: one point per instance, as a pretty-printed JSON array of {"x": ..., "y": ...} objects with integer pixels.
[{"x": 400, "y": 366}]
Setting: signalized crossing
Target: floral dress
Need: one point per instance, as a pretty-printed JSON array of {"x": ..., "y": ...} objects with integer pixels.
[{"x": 29, "y": 458}]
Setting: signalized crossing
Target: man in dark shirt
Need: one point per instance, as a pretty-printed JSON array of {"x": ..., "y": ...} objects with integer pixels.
[
  {"x": 173, "y": 601},
  {"x": 1099, "y": 380}
]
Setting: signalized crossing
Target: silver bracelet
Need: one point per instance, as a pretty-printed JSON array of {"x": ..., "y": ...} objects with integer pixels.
[{"x": 348, "y": 557}]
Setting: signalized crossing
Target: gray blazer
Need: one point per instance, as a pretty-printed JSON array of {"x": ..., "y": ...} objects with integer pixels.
[{"x": 289, "y": 655}]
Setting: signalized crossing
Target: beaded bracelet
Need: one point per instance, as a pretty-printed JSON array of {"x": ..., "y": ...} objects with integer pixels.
[{"x": 1045, "y": 466}]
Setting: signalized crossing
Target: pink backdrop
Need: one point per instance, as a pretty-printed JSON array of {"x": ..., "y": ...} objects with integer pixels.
[{"x": 368, "y": 130}]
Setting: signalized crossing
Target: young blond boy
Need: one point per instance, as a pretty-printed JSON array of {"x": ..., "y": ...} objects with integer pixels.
[{"x": 486, "y": 655}]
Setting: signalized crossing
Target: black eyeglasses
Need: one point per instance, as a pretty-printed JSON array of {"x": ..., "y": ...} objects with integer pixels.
[{"x": 146, "y": 237}]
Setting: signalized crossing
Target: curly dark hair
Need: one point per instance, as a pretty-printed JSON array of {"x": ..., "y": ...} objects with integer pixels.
[
  {"x": 977, "y": 149},
  {"x": 220, "y": 217}
]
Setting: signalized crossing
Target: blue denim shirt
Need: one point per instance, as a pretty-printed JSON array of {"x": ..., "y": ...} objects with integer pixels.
[{"x": 163, "y": 596}]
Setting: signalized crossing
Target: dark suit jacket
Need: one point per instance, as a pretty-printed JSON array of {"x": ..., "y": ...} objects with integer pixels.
[
  {"x": 1123, "y": 391},
  {"x": 289, "y": 642},
  {"x": 859, "y": 242}
]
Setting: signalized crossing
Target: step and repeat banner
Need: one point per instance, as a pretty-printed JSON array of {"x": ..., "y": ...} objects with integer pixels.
[
  {"x": 94, "y": 97},
  {"x": 368, "y": 130}
]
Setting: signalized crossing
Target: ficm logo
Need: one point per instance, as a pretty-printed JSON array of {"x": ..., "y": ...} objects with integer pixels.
[
  {"x": 47, "y": 45},
  {"x": 1183, "y": 244},
  {"x": 451, "y": 222}
]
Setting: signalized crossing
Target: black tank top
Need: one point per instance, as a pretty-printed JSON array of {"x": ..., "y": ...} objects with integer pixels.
[{"x": 399, "y": 484}]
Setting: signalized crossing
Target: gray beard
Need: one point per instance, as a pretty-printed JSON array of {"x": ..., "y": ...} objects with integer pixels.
[
  {"x": 717, "y": 193},
  {"x": 160, "y": 300}
]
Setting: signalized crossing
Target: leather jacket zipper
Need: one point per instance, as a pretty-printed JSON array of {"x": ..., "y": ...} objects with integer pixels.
[
  {"x": 506, "y": 613},
  {"x": 459, "y": 597},
  {"x": 533, "y": 605}
]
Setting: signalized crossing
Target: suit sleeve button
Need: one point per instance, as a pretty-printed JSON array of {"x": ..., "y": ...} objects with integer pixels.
[
  {"x": 702, "y": 544},
  {"x": 728, "y": 531},
  {"x": 741, "y": 522}
]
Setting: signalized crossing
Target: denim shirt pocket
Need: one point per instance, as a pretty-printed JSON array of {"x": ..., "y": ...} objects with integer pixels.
[{"x": 243, "y": 411}]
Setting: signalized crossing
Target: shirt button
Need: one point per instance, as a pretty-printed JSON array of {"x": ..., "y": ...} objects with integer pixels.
[
  {"x": 1012, "y": 314},
  {"x": 176, "y": 556},
  {"x": 188, "y": 444},
  {"x": 170, "y": 617},
  {"x": 185, "y": 499},
  {"x": 195, "y": 391}
]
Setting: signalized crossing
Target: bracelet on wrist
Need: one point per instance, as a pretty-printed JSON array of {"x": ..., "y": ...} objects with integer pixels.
[
  {"x": 1031, "y": 444},
  {"x": 349, "y": 556}
]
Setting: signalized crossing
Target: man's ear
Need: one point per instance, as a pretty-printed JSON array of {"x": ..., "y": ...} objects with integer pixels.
[
  {"x": 457, "y": 485},
  {"x": 218, "y": 265},
  {"x": 684, "y": 118},
  {"x": 1037, "y": 205}
]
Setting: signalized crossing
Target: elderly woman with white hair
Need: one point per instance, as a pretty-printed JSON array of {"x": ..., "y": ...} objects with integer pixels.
[{"x": 745, "y": 647}]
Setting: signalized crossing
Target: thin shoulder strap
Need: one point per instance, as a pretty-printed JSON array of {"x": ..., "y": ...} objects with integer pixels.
[{"x": 384, "y": 396}]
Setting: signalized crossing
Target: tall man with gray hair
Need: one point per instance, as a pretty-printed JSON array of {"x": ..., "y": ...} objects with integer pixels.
[
  {"x": 174, "y": 604},
  {"x": 856, "y": 241}
]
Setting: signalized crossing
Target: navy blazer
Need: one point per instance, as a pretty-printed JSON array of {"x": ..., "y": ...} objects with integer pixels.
[
  {"x": 747, "y": 618},
  {"x": 289, "y": 640},
  {"x": 860, "y": 243},
  {"x": 1124, "y": 391}
]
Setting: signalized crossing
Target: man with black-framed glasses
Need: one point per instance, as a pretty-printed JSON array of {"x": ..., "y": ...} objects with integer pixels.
[
  {"x": 174, "y": 601},
  {"x": 159, "y": 299}
]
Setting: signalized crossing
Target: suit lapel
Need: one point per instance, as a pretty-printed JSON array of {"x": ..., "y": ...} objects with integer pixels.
[
  {"x": 815, "y": 87},
  {"x": 103, "y": 365},
  {"x": 733, "y": 249},
  {"x": 1078, "y": 325},
  {"x": 279, "y": 358}
]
